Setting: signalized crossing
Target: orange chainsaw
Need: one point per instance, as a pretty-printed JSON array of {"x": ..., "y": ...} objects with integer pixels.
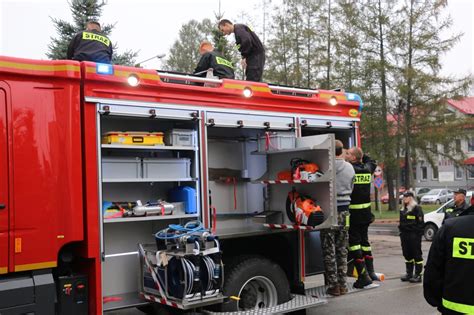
[{"x": 302, "y": 210}]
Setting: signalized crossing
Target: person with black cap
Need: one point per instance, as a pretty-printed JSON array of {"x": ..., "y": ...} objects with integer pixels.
[
  {"x": 460, "y": 205},
  {"x": 411, "y": 229},
  {"x": 90, "y": 45}
]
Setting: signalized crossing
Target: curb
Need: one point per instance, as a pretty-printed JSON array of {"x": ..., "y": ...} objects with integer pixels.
[{"x": 386, "y": 221}]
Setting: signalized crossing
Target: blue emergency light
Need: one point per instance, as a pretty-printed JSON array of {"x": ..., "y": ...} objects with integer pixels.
[{"x": 104, "y": 68}]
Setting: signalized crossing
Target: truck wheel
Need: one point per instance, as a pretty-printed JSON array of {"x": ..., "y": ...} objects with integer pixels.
[
  {"x": 254, "y": 282},
  {"x": 430, "y": 231}
]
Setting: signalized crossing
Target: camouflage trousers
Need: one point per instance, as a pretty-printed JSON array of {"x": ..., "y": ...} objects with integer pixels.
[{"x": 334, "y": 244}]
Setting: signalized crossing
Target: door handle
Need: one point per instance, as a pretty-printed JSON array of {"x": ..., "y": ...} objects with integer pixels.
[{"x": 2, "y": 206}]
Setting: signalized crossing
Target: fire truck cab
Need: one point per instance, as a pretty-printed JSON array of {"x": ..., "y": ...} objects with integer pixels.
[{"x": 75, "y": 160}]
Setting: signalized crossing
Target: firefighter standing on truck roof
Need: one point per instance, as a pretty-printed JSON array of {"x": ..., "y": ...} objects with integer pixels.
[
  {"x": 222, "y": 68},
  {"x": 90, "y": 45},
  {"x": 449, "y": 275},
  {"x": 360, "y": 218},
  {"x": 411, "y": 229},
  {"x": 250, "y": 47}
]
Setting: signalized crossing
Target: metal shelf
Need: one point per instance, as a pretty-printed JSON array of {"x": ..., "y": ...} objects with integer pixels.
[
  {"x": 124, "y": 300},
  {"x": 295, "y": 150},
  {"x": 147, "y": 180},
  {"x": 148, "y": 147},
  {"x": 151, "y": 218}
]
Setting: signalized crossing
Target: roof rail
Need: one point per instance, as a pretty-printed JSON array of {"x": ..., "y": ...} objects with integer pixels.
[
  {"x": 185, "y": 78},
  {"x": 285, "y": 90}
]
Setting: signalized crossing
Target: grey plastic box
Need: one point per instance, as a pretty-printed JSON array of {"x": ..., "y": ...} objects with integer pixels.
[
  {"x": 121, "y": 167},
  {"x": 181, "y": 137},
  {"x": 166, "y": 168},
  {"x": 274, "y": 141}
]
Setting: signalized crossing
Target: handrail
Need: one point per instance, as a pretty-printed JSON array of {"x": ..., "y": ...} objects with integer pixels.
[
  {"x": 293, "y": 90},
  {"x": 187, "y": 77}
]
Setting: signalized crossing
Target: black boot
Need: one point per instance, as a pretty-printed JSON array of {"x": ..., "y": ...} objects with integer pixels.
[
  {"x": 369, "y": 263},
  {"x": 409, "y": 274},
  {"x": 363, "y": 278},
  {"x": 418, "y": 269}
]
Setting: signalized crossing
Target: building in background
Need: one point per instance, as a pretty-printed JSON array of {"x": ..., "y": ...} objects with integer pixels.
[{"x": 446, "y": 174}]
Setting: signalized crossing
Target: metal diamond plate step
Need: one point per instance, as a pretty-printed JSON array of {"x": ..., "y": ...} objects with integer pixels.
[
  {"x": 320, "y": 292},
  {"x": 298, "y": 302}
]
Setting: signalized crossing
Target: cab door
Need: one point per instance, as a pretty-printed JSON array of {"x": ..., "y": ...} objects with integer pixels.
[{"x": 3, "y": 184}]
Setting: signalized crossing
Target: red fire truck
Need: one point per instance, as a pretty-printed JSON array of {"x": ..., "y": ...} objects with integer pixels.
[{"x": 74, "y": 161}]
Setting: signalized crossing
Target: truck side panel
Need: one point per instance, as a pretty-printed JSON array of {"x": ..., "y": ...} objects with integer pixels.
[
  {"x": 4, "y": 205},
  {"x": 44, "y": 145}
]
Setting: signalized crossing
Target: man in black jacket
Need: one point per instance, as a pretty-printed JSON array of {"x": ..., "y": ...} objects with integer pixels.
[
  {"x": 90, "y": 45},
  {"x": 449, "y": 276},
  {"x": 361, "y": 216},
  {"x": 222, "y": 68},
  {"x": 250, "y": 47},
  {"x": 460, "y": 205}
]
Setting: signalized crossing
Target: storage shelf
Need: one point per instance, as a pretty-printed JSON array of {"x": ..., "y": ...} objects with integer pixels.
[
  {"x": 265, "y": 180},
  {"x": 148, "y": 147},
  {"x": 131, "y": 299},
  {"x": 150, "y": 218},
  {"x": 295, "y": 150},
  {"x": 147, "y": 180}
]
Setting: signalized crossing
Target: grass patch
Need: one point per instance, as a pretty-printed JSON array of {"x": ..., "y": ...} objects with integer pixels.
[{"x": 385, "y": 214}]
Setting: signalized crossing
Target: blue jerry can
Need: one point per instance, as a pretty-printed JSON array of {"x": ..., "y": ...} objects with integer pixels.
[{"x": 187, "y": 195}]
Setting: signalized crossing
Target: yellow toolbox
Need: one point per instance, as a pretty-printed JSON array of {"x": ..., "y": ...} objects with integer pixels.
[{"x": 133, "y": 138}]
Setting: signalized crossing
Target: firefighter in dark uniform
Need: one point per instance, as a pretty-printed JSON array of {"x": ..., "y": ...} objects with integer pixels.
[
  {"x": 460, "y": 205},
  {"x": 90, "y": 45},
  {"x": 360, "y": 252},
  {"x": 211, "y": 59},
  {"x": 411, "y": 229},
  {"x": 449, "y": 272},
  {"x": 250, "y": 47}
]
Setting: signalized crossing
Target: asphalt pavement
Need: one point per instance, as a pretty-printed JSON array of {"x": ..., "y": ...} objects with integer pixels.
[{"x": 392, "y": 296}]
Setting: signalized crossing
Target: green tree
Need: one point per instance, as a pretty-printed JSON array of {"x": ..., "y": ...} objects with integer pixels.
[
  {"x": 184, "y": 54},
  {"x": 421, "y": 86},
  {"x": 83, "y": 11}
]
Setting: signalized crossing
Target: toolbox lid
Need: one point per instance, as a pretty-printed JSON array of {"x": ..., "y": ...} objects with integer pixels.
[{"x": 134, "y": 133}]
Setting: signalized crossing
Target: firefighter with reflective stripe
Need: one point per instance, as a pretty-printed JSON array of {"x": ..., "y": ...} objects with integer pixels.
[
  {"x": 449, "y": 271},
  {"x": 360, "y": 252},
  {"x": 334, "y": 240},
  {"x": 250, "y": 47},
  {"x": 411, "y": 229},
  {"x": 90, "y": 45},
  {"x": 211, "y": 59}
]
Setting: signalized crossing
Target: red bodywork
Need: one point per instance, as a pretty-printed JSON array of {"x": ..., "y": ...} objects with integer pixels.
[{"x": 48, "y": 150}]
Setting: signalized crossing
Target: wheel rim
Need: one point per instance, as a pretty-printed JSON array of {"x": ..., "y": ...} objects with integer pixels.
[
  {"x": 429, "y": 233},
  {"x": 258, "y": 292}
]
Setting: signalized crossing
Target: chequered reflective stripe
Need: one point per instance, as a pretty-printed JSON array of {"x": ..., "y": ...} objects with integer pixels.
[
  {"x": 288, "y": 226},
  {"x": 299, "y": 181},
  {"x": 161, "y": 301}
]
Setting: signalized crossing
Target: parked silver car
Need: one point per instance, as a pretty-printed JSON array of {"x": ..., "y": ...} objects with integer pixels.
[
  {"x": 420, "y": 192},
  {"x": 436, "y": 196}
]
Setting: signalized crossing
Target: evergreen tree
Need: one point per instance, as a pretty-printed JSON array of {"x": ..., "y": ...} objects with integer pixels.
[
  {"x": 184, "y": 54},
  {"x": 83, "y": 11}
]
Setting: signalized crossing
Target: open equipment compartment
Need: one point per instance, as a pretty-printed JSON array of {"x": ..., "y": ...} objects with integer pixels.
[{"x": 137, "y": 171}]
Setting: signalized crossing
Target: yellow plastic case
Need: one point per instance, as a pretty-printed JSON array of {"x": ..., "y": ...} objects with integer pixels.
[{"x": 133, "y": 138}]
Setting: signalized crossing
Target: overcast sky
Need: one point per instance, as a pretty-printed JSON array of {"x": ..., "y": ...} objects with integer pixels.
[{"x": 151, "y": 26}]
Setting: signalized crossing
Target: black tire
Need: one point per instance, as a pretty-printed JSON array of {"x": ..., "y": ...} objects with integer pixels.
[
  {"x": 430, "y": 231},
  {"x": 243, "y": 269},
  {"x": 438, "y": 202}
]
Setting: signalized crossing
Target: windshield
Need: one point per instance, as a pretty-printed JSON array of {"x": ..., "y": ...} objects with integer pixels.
[{"x": 434, "y": 192}]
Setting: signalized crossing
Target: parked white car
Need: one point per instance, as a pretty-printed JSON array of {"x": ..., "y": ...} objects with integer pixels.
[
  {"x": 434, "y": 219},
  {"x": 436, "y": 196}
]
